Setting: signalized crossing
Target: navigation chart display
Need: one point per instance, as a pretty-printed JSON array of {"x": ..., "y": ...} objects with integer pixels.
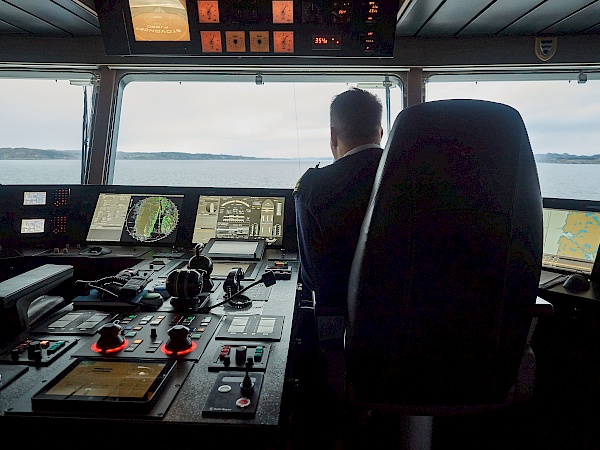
[
  {"x": 239, "y": 217},
  {"x": 135, "y": 218},
  {"x": 571, "y": 239}
]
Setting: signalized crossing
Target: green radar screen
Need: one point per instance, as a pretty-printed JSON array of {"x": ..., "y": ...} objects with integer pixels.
[{"x": 152, "y": 219}]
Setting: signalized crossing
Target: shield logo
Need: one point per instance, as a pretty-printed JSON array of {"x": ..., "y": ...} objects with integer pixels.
[{"x": 545, "y": 47}]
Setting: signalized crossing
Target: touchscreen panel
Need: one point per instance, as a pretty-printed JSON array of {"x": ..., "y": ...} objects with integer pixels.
[{"x": 119, "y": 383}]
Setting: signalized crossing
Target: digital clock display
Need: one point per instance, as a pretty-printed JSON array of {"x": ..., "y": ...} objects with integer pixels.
[{"x": 326, "y": 42}]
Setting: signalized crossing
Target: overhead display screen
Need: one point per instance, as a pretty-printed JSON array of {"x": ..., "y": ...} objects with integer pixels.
[
  {"x": 319, "y": 28},
  {"x": 165, "y": 20}
]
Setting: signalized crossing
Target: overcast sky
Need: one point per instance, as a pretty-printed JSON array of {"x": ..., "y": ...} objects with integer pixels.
[{"x": 273, "y": 120}]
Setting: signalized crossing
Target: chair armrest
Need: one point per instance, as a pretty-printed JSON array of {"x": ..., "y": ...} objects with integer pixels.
[
  {"x": 331, "y": 322},
  {"x": 542, "y": 308}
]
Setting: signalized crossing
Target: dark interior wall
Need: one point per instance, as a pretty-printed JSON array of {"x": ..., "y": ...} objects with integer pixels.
[{"x": 408, "y": 52}]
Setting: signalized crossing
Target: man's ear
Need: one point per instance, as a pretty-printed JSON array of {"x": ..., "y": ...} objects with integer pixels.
[
  {"x": 380, "y": 132},
  {"x": 333, "y": 138}
]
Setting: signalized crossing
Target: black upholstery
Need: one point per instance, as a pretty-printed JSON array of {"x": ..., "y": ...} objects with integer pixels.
[{"x": 445, "y": 276}]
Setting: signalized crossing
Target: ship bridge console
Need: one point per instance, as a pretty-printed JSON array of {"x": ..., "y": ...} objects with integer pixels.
[{"x": 149, "y": 311}]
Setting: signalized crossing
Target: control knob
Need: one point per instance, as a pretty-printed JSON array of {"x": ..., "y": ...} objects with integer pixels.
[
  {"x": 110, "y": 336},
  {"x": 179, "y": 339}
]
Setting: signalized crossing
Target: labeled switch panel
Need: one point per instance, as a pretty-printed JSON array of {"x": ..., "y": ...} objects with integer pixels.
[
  {"x": 37, "y": 353},
  {"x": 234, "y": 394},
  {"x": 239, "y": 356}
]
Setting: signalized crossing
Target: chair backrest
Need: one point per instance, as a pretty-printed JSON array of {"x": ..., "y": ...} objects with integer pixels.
[{"x": 446, "y": 270}]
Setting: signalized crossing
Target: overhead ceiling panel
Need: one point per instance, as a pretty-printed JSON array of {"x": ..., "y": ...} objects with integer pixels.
[
  {"x": 594, "y": 29},
  {"x": 79, "y": 10},
  {"x": 452, "y": 16},
  {"x": 583, "y": 21},
  {"x": 544, "y": 16},
  {"x": 498, "y": 16},
  {"x": 415, "y": 16},
  {"x": 8, "y": 28},
  {"x": 27, "y": 22},
  {"x": 46, "y": 17}
]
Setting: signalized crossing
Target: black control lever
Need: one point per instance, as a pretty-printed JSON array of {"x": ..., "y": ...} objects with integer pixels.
[
  {"x": 232, "y": 284},
  {"x": 247, "y": 385},
  {"x": 234, "y": 300}
]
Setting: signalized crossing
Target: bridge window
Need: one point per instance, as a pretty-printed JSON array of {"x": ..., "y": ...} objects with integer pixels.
[
  {"x": 43, "y": 134},
  {"x": 562, "y": 116},
  {"x": 249, "y": 133}
]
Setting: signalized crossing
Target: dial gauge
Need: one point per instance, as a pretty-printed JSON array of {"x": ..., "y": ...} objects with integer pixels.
[
  {"x": 283, "y": 41},
  {"x": 283, "y": 11},
  {"x": 208, "y": 11},
  {"x": 259, "y": 41},
  {"x": 211, "y": 41},
  {"x": 235, "y": 41}
]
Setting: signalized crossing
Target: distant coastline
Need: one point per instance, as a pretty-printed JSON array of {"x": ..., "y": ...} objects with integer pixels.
[
  {"x": 565, "y": 158},
  {"x": 36, "y": 154}
]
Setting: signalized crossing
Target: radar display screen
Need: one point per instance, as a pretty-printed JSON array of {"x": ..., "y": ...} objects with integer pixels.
[
  {"x": 239, "y": 217},
  {"x": 135, "y": 218}
]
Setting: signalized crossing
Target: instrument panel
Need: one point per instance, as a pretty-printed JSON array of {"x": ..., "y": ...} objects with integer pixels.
[
  {"x": 67, "y": 219},
  {"x": 140, "y": 343},
  {"x": 260, "y": 28}
]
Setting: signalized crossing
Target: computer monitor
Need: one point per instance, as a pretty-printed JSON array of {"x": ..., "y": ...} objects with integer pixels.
[
  {"x": 571, "y": 235},
  {"x": 130, "y": 218},
  {"x": 239, "y": 217}
]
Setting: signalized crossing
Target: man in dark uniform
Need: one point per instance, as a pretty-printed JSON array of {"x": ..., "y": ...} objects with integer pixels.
[{"x": 331, "y": 201}]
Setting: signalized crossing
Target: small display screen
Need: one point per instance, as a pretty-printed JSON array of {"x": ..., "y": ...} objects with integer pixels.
[
  {"x": 234, "y": 247},
  {"x": 117, "y": 382},
  {"x": 164, "y": 20},
  {"x": 34, "y": 198},
  {"x": 31, "y": 226},
  {"x": 571, "y": 239},
  {"x": 221, "y": 269},
  {"x": 326, "y": 42},
  {"x": 239, "y": 217},
  {"x": 135, "y": 218}
]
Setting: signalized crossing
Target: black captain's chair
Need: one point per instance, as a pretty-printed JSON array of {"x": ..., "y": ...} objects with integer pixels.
[{"x": 445, "y": 277}]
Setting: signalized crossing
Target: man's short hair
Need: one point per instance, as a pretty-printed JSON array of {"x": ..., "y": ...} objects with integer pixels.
[{"x": 356, "y": 115}]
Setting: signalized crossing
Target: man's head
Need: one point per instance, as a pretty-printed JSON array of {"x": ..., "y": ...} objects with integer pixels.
[{"x": 355, "y": 119}]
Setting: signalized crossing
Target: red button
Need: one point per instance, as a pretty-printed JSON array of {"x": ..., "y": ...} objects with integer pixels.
[{"x": 243, "y": 402}]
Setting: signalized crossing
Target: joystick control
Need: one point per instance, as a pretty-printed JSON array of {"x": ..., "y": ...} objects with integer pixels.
[
  {"x": 179, "y": 340},
  {"x": 110, "y": 337},
  {"x": 247, "y": 385}
]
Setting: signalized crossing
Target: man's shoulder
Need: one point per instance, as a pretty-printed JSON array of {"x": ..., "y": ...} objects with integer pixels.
[{"x": 308, "y": 178}]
